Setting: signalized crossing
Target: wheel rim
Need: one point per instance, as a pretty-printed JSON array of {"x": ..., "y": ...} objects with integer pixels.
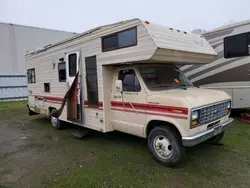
[
  {"x": 162, "y": 147},
  {"x": 54, "y": 121}
]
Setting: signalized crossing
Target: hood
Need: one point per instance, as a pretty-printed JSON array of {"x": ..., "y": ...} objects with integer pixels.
[{"x": 191, "y": 97}]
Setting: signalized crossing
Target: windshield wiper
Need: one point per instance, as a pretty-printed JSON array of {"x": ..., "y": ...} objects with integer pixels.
[
  {"x": 184, "y": 86},
  {"x": 172, "y": 87},
  {"x": 161, "y": 85}
]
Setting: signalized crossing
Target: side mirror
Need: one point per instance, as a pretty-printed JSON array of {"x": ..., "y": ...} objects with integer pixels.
[
  {"x": 237, "y": 45},
  {"x": 118, "y": 86}
]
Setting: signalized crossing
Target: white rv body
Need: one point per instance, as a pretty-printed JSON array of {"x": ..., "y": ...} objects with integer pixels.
[
  {"x": 229, "y": 75},
  {"x": 153, "y": 45},
  {"x": 124, "y": 77}
]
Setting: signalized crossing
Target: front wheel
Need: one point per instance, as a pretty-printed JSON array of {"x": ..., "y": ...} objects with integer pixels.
[
  {"x": 165, "y": 145},
  {"x": 56, "y": 123}
]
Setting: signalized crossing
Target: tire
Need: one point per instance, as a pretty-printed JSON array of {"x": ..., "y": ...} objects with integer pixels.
[
  {"x": 55, "y": 122},
  {"x": 164, "y": 137},
  {"x": 216, "y": 139}
]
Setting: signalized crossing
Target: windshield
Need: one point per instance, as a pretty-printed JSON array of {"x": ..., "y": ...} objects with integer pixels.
[{"x": 162, "y": 77}]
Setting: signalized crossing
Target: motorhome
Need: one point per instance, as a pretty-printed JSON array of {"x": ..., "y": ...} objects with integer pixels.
[
  {"x": 229, "y": 75},
  {"x": 124, "y": 77}
]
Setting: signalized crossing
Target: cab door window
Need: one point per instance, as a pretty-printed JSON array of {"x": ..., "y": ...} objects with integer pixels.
[{"x": 130, "y": 82}]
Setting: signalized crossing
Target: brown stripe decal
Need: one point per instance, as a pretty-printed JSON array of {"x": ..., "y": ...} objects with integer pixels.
[
  {"x": 217, "y": 34},
  {"x": 216, "y": 45},
  {"x": 191, "y": 68},
  {"x": 215, "y": 67},
  {"x": 240, "y": 73},
  {"x": 215, "y": 41}
]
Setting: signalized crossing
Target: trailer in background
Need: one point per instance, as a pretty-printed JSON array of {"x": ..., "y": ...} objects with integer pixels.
[{"x": 231, "y": 75}]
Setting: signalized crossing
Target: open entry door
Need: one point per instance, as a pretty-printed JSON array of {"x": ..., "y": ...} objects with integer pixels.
[
  {"x": 72, "y": 67},
  {"x": 74, "y": 111}
]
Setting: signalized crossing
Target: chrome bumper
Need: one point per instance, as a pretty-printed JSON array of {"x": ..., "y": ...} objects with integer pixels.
[{"x": 209, "y": 133}]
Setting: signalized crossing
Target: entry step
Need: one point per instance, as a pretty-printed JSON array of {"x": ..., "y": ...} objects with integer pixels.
[{"x": 80, "y": 132}]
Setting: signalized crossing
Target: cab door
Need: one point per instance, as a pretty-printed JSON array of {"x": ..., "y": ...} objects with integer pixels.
[{"x": 128, "y": 109}]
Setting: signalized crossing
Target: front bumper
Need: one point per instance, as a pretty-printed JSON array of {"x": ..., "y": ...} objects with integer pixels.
[{"x": 209, "y": 133}]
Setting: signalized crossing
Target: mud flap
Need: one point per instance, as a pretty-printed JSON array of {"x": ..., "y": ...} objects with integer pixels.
[
  {"x": 31, "y": 113},
  {"x": 58, "y": 112}
]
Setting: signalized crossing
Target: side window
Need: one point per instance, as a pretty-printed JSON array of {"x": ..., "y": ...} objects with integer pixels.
[
  {"x": 110, "y": 43},
  {"x": 62, "y": 72},
  {"x": 129, "y": 80},
  {"x": 237, "y": 45},
  {"x": 31, "y": 76},
  {"x": 119, "y": 40},
  {"x": 72, "y": 64},
  {"x": 127, "y": 38},
  {"x": 91, "y": 80},
  {"x": 46, "y": 87}
]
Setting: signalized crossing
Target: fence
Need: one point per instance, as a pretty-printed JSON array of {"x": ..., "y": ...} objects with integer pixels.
[{"x": 13, "y": 88}]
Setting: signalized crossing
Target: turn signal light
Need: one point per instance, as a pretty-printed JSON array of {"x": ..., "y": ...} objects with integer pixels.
[
  {"x": 146, "y": 22},
  {"x": 194, "y": 122}
]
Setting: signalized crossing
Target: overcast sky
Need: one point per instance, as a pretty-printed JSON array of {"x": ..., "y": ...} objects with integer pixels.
[{"x": 80, "y": 15}]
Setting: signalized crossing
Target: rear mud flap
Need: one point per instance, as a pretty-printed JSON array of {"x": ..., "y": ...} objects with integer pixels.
[{"x": 31, "y": 113}]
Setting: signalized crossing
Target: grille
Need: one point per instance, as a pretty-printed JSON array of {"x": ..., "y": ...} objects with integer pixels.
[{"x": 211, "y": 113}]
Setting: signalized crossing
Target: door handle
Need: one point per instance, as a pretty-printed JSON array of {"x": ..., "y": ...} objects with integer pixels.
[
  {"x": 68, "y": 84},
  {"x": 130, "y": 93}
]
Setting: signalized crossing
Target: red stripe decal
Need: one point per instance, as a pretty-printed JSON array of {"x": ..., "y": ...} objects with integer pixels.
[
  {"x": 158, "y": 108},
  {"x": 56, "y": 102},
  {"x": 50, "y": 98},
  {"x": 129, "y": 108},
  {"x": 100, "y": 104},
  {"x": 150, "y": 113}
]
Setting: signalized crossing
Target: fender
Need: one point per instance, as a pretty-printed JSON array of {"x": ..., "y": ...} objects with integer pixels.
[{"x": 181, "y": 124}]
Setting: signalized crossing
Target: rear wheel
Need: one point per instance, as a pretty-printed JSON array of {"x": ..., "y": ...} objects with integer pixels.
[
  {"x": 56, "y": 123},
  {"x": 165, "y": 145}
]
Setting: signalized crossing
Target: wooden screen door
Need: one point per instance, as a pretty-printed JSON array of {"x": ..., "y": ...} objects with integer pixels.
[{"x": 74, "y": 102}]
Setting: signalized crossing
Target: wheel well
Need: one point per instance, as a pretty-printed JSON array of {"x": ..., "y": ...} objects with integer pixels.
[
  {"x": 155, "y": 123},
  {"x": 50, "y": 109}
]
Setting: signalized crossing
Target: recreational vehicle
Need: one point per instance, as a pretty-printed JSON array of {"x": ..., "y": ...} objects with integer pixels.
[
  {"x": 229, "y": 75},
  {"x": 124, "y": 77}
]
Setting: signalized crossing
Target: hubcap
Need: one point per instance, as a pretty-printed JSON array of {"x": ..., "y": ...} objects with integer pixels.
[
  {"x": 162, "y": 147},
  {"x": 54, "y": 121}
]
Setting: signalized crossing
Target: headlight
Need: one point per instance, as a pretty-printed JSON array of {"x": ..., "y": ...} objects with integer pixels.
[{"x": 195, "y": 115}]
